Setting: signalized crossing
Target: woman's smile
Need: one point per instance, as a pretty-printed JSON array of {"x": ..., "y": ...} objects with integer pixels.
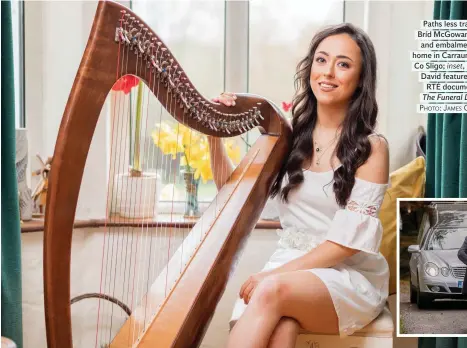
[{"x": 327, "y": 87}]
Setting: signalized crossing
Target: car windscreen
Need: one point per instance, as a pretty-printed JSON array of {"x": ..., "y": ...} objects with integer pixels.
[{"x": 446, "y": 239}]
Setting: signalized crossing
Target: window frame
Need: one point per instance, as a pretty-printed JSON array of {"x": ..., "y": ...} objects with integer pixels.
[{"x": 18, "y": 36}]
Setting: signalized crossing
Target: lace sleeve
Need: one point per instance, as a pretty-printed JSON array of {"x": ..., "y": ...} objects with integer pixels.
[{"x": 357, "y": 226}]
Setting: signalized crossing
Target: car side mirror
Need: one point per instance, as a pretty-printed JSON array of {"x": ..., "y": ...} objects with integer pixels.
[{"x": 413, "y": 249}]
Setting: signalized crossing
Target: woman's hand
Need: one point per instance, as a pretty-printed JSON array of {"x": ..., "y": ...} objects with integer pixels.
[
  {"x": 226, "y": 98},
  {"x": 247, "y": 289}
]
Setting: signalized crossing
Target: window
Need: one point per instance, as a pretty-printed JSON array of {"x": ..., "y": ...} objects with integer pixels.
[
  {"x": 279, "y": 38},
  {"x": 17, "y": 10},
  {"x": 194, "y": 32}
]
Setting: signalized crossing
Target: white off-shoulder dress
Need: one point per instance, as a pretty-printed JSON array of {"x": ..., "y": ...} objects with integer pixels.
[{"x": 359, "y": 285}]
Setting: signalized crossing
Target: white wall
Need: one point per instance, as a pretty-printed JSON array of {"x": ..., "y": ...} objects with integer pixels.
[
  {"x": 391, "y": 26},
  {"x": 56, "y": 33}
]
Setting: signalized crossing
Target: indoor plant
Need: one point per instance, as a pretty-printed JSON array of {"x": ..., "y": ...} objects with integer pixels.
[{"x": 138, "y": 190}]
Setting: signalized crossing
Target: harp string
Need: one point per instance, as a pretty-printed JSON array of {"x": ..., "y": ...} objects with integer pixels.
[
  {"x": 118, "y": 232},
  {"x": 157, "y": 230},
  {"x": 122, "y": 231},
  {"x": 136, "y": 152},
  {"x": 117, "y": 150},
  {"x": 148, "y": 244},
  {"x": 173, "y": 196},
  {"x": 133, "y": 153},
  {"x": 188, "y": 158},
  {"x": 134, "y": 277},
  {"x": 107, "y": 208},
  {"x": 144, "y": 239}
]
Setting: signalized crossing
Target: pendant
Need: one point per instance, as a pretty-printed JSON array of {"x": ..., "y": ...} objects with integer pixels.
[{"x": 317, "y": 162}]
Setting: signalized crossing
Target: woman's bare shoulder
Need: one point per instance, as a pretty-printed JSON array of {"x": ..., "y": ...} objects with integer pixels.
[{"x": 376, "y": 168}]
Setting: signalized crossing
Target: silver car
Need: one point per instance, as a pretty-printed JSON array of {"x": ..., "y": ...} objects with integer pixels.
[{"x": 435, "y": 270}]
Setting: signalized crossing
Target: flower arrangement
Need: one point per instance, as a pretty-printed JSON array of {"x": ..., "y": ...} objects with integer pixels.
[
  {"x": 193, "y": 148},
  {"x": 142, "y": 203},
  {"x": 125, "y": 85}
]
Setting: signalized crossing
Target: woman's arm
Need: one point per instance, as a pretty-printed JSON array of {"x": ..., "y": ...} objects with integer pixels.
[
  {"x": 221, "y": 165},
  {"x": 329, "y": 254}
]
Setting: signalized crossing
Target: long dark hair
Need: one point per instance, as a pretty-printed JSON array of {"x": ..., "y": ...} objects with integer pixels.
[{"x": 353, "y": 147}]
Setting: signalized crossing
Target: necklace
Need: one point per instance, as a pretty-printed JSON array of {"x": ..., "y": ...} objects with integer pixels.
[{"x": 320, "y": 150}]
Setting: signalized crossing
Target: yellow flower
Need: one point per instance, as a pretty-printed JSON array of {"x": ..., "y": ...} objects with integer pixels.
[
  {"x": 166, "y": 140},
  {"x": 192, "y": 145}
]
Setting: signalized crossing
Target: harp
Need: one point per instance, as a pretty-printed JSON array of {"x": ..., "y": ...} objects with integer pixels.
[{"x": 175, "y": 305}]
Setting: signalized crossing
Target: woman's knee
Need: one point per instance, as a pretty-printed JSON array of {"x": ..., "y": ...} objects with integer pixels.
[{"x": 271, "y": 292}]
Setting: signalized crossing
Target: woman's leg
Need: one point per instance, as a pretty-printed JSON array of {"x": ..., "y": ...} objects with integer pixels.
[
  {"x": 285, "y": 334},
  {"x": 300, "y": 295}
]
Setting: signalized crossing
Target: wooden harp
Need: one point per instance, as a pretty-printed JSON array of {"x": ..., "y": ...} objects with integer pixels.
[{"x": 176, "y": 305}]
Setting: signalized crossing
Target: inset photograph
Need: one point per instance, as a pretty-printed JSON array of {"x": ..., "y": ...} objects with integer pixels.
[{"x": 432, "y": 241}]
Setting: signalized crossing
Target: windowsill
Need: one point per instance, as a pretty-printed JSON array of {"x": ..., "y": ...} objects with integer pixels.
[{"x": 163, "y": 220}]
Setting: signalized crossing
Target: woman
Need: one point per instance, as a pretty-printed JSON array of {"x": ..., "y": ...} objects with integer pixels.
[{"x": 327, "y": 274}]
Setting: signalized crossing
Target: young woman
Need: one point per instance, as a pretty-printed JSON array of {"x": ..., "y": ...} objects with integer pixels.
[{"x": 327, "y": 274}]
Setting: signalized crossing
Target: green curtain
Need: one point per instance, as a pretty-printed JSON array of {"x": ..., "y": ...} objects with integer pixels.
[
  {"x": 446, "y": 157},
  {"x": 11, "y": 238},
  {"x": 447, "y": 133},
  {"x": 442, "y": 342}
]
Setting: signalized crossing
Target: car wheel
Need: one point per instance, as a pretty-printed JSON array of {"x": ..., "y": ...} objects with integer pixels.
[
  {"x": 424, "y": 301},
  {"x": 413, "y": 292}
]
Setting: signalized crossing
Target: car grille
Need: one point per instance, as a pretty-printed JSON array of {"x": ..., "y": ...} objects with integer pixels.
[
  {"x": 455, "y": 290},
  {"x": 458, "y": 272}
]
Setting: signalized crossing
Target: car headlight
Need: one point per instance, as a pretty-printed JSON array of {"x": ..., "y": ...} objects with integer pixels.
[
  {"x": 431, "y": 269},
  {"x": 445, "y": 271}
]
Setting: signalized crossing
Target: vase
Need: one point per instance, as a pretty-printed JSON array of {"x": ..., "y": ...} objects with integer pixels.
[
  {"x": 24, "y": 192},
  {"x": 191, "y": 186},
  {"x": 136, "y": 197}
]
